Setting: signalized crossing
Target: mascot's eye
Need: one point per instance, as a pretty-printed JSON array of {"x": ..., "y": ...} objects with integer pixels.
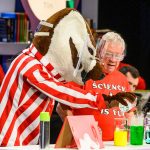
[
  {"x": 90, "y": 50},
  {"x": 80, "y": 66}
]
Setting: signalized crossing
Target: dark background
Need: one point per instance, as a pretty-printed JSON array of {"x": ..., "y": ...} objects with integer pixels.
[{"x": 131, "y": 18}]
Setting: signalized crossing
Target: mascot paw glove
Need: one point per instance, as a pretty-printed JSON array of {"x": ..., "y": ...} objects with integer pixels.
[{"x": 121, "y": 97}]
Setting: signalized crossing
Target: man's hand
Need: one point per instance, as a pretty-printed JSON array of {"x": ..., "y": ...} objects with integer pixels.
[
  {"x": 121, "y": 98},
  {"x": 63, "y": 111}
]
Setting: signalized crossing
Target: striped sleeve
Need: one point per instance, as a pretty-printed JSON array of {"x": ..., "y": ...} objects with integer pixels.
[{"x": 63, "y": 93}]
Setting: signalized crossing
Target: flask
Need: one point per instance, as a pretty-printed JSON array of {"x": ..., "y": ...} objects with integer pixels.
[
  {"x": 137, "y": 130},
  {"x": 120, "y": 132},
  {"x": 147, "y": 128},
  {"x": 44, "y": 140}
]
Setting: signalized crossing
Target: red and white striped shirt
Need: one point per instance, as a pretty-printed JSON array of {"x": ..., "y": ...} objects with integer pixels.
[{"x": 28, "y": 88}]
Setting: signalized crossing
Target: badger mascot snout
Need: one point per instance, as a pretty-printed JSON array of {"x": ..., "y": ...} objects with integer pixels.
[
  {"x": 69, "y": 46},
  {"x": 62, "y": 50}
]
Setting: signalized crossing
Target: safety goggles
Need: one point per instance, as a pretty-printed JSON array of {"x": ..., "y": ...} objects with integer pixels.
[{"x": 117, "y": 57}]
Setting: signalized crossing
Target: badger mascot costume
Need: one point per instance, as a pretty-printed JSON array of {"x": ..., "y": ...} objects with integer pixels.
[{"x": 62, "y": 50}]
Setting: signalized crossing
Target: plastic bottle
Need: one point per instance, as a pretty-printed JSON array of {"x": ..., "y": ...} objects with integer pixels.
[
  {"x": 147, "y": 128},
  {"x": 44, "y": 140}
]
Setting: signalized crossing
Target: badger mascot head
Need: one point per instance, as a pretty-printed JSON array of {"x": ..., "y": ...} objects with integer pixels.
[{"x": 67, "y": 43}]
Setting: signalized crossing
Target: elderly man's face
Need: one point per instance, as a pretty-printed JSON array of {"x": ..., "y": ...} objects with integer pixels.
[{"x": 112, "y": 57}]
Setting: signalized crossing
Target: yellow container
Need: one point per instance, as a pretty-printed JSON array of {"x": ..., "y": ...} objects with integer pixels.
[{"x": 120, "y": 138}]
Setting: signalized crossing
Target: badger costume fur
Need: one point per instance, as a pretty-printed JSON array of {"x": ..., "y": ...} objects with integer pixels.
[{"x": 62, "y": 50}]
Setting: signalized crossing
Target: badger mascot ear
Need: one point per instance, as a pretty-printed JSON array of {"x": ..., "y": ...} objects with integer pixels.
[{"x": 66, "y": 41}]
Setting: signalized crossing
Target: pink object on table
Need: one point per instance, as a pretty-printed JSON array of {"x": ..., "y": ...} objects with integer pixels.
[{"x": 84, "y": 130}]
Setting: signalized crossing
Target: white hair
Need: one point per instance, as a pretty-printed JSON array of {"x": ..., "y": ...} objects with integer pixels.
[
  {"x": 110, "y": 37},
  {"x": 113, "y": 37}
]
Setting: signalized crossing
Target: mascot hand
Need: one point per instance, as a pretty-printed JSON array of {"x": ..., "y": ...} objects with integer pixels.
[{"x": 121, "y": 98}]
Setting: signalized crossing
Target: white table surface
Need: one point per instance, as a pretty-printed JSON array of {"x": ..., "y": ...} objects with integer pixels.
[{"x": 107, "y": 146}]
